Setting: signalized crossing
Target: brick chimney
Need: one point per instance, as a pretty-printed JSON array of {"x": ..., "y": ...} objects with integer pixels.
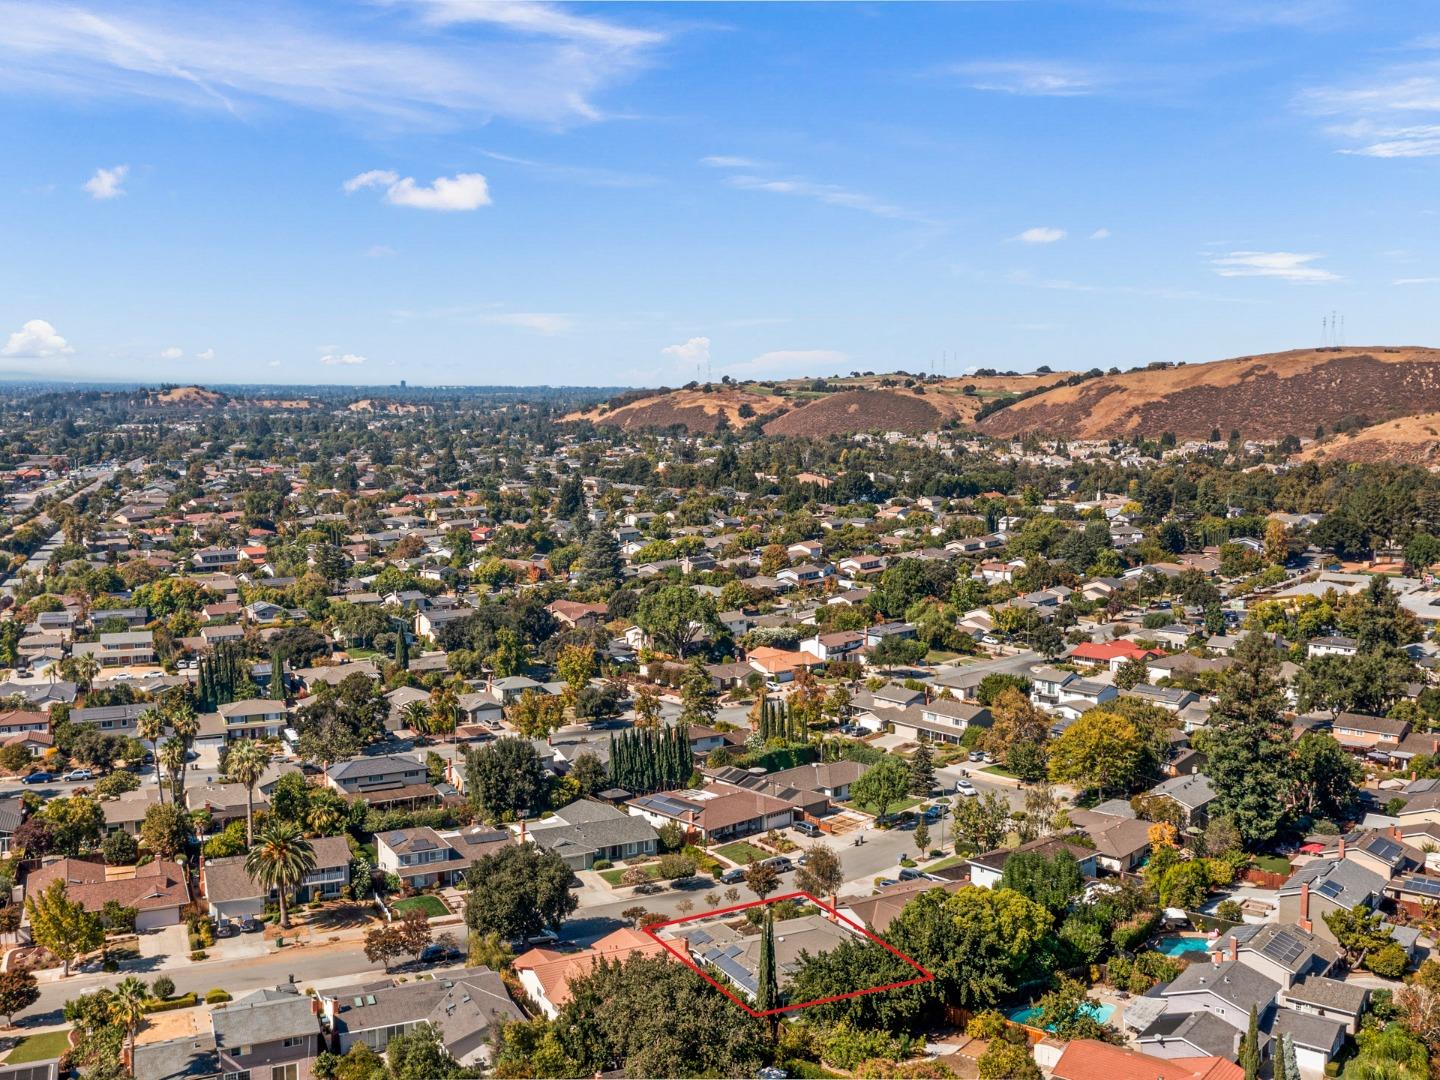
[
  {"x": 1342, "y": 847},
  {"x": 1217, "y": 958},
  {"x": 1234, "y": 948},
  {"x": 1304, "y": 920},
  {"x": 1394, "y": 832}
]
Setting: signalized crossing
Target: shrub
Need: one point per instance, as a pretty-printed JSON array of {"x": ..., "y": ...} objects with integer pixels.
[
  {"x": 120, "y": 848},
  {"x": 989, "y": 1024},
  {"x": 602, "y": 864},
  {"x": 846, "y": 1046},
  {"x": 676, "y": 866},
  {"x": 198, "y": 954},
  {"x": 217, "y": 996},
  {"x": 163, "y": 988},
  {"x": 1389, "y": 962},
  {"x": 184, "y": 1001},
  {"x": 1229, "y": 910}
]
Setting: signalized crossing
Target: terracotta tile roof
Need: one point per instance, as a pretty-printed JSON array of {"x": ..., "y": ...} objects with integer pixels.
[
  {"x": 1089, "y": 1059},
  {"x": 555, "y": 970}
]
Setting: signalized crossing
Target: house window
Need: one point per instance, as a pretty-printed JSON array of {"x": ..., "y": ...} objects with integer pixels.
[{"x": 289, "y": 1071}]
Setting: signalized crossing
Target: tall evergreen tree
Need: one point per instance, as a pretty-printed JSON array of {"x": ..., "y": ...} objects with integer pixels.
[
  {"x": 922, "y": 771},
  {"x": 1250, "y": 743},
  {"x": 1249, "y": 1056},
  {"x": 767, "y": 989}
]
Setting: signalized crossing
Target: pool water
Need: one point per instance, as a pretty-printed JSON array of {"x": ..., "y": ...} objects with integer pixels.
[
  {"x": 1179, "y": 946},
  {"x": 1101, "y": 1011}
]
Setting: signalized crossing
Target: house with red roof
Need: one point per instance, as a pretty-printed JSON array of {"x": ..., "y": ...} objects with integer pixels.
[
  {"x": 1090, "y": 1059},
  {"x": 1112, "y": 653}
]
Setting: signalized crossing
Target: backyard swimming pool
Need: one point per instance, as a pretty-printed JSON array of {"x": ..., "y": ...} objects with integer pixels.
[
  {"x": 1099, "y": 1010},
  {"x": 1179, "y": 946}
]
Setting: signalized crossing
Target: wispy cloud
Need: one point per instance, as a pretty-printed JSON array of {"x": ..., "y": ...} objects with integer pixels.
[
  {"x": 464, "y": 191},
  {"x": 829, "y": 194},
  {"x": 106, "y": 183},
  {"x": 174, "y": 352},
  {"x": 1393, "y": 112},
  {"x": 723, "y": 161},
  {"x": 1100, "y": 234},
  {"x": 1158, "y": 292},
  {"x": 1286, "y": 265},
  {"x": 1032, "y": 77},
  {"x": 341, "y": 359},
  {"x": 547, "y": 323},
  {"x": 1041, "y": 234},
  {"x": 1416, "y": 281},
  {"x": 205, "y": 354},
  {"x": 588, "y": 175},
  {"x": 410, "y": 63},
  {"x": 787, "y": 362}
]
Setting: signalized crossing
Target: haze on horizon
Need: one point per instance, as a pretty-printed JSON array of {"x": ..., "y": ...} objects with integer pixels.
[{"x": 500, "y": 193}]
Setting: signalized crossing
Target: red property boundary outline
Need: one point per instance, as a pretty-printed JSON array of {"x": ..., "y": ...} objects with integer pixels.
[{"x": 679, "y": 954}]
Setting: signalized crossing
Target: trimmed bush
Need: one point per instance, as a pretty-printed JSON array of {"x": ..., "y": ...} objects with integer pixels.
[
  {"x": 198, "y": 954},
  {"x": 184, "y": 1001},
  {"x": 163, "y": 988},
  {"x": 217, "y": 996}
]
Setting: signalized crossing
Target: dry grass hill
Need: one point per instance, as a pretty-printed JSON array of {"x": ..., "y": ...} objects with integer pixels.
[
  {"x": 1410, "y": 440},
  {"x": 185, "y": 397},
  {"x": 1261, "y": 396},
  {"x": 817, "y": 407}
]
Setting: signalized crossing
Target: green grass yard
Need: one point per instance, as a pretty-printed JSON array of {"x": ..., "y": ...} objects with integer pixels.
[
  {"x": 43, "y": 1047},
  {"x": 944, "y": 864},
  {"x": 1000, "y": 770},
  {"x": 1273, "y": 864},
  {"x": 432, "y": 906},
  {"x": 742, "y": 852},
  {"x": 612, "y": 877},
  {"x": 899, "y": 807}
]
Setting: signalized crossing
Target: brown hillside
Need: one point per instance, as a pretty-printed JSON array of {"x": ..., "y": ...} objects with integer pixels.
[
  {"x": 1262, "y": 396},
  {"x": 845, "y": 405},
  {"x": 1409, "y": 440},
  {"x": 859, "y": 410},
  {"x": 190, "y": 397}
]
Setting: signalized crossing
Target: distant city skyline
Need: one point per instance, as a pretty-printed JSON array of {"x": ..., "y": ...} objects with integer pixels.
[{"x": 502, "y": 193}]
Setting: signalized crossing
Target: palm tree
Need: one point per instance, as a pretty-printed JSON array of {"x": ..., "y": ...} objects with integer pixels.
[
  {"x": 86, "y": 668},
  {"x": 325, "y": 819},
  {"x": 172, "y": 757},
  {"x": 150, "y": 726},
  {"x": 186, "y": 725},
  {"x": 417, "y": 716},
  {"x": 127, "y": 1008},
  {"x": 245, "y": 762},
  {"x": 279, "y": 860}
]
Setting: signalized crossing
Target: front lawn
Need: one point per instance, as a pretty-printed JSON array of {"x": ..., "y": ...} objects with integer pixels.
[
  {"x": 945, "y": 863},
  {"x": 432, "y": 906},
  {"x": 894, "y": 808},
  {"x": 1000, "y": 770},
  {"x": 1272, "y": 864},
  {"x": 742, "y": 852},
  {"x": 612, "y": 877},
  {"x": 43, "y": 1047}
]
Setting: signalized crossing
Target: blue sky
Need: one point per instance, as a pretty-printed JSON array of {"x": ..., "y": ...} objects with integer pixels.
[{"x": 459, "y": 191}]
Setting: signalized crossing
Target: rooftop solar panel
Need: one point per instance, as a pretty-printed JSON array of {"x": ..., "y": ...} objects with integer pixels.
[
  {"x": 1332, "y": 889},
  {"x": 1283, "y": 948},
  {"x": 1424, "y": 886}
]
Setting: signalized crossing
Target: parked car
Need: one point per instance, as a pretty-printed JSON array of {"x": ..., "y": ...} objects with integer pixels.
[
  {"x": 732, "y": 877},
  {"x": 37, "y": 778},
  {"x": 225, "y": 928},
  {"x": 807, "y": 828},
  {"x": 909, "y": 873},
  {"x": 251, "y": 925},
  {"x": 75, "y": 775},
  {"x": 965, "y": 788},
  {"x": 543, "y": 940},
  {"x": 977, "y": 755},
  {"x": 437, "y": 953},
  {"x": 886, "y": 882},
  {"x": 781, "y": 863}
]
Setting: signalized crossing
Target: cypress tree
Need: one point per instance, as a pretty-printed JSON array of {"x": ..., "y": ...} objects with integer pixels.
[
  {"x": 1249, "y": 1056},
  {"x": 402, "y": 650},
  {"x": 767, "y": 991}
]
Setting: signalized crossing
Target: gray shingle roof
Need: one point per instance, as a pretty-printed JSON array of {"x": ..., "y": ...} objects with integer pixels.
[{"x": 245, "y": 1023}]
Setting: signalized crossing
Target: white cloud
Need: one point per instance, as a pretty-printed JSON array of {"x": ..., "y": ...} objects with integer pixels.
[
  {"x": 334, "y": 359},
  {"x": 1041, "y": 234},
  {"x": 463, "y": 191},
  {"x": 369, "y": 178},
  {"x": 37, "y": 338},
  {"x": 1100, "y": 234},
  {"x": 106, "y": 183},
  {"x": 1416, "y": 281},
  {"x": 692, "y": 352},
  {"x": 205, "y": 354},
  {"x": 405, "y": 64},
  {"x": 1393, "y": 112},
  {"x": 1286, "y": 265},
  {"x": 174, "y": 352},
  {"x": 1031, "y": 78},
  {"x": 548, "y": 323},
  {"x": 589, "y": 175},
  {"x": 829, "y": 194},
  {"x": 722, "y": 161},
  {"x": 273, "y": 363}
]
